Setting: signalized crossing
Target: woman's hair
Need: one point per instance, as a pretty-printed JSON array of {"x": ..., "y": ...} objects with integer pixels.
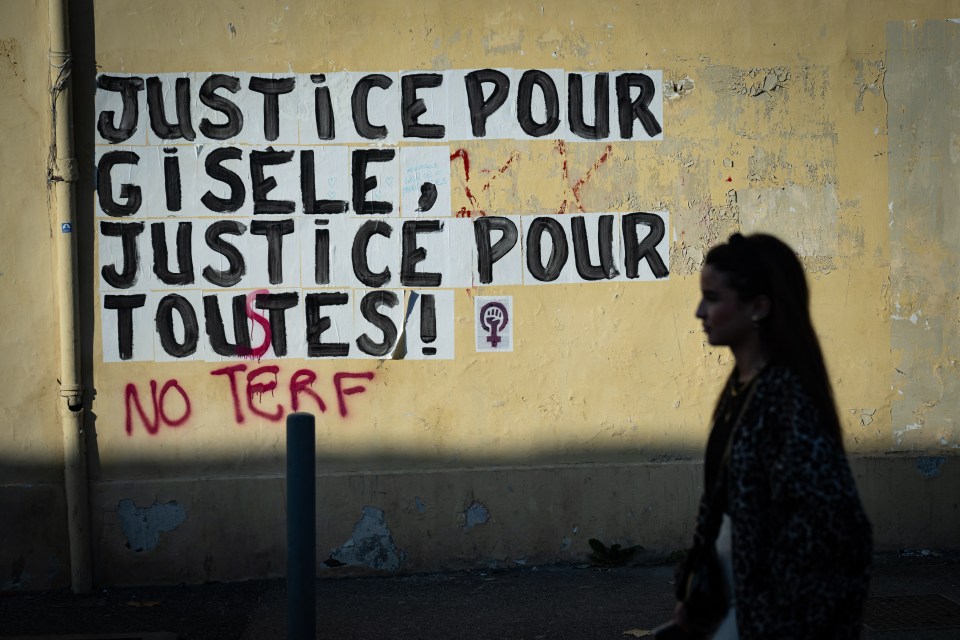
[{"x": 761, "y": 264}]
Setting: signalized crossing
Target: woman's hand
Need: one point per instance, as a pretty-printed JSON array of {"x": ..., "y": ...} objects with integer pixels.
[{"x": 675, "y": 630}]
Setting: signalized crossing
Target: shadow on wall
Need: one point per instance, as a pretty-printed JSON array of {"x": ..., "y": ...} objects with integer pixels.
[
  {"x": 163, "y": 522},
  {"x": 214, "y": 519}
]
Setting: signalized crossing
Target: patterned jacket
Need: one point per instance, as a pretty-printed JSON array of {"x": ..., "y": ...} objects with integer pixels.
[{"x": 802, "y": 543}]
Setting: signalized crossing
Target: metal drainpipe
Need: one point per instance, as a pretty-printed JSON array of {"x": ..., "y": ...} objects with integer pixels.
[{"x": 61, "y": 175}]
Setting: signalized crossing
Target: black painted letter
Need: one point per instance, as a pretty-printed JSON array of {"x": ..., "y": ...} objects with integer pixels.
[
  {"x": 321, "y": 253},
  {"x": 581, "y": 249},
  {"x": 128, "y": 88},
  {"x": 127, "y": 232},
  {"x": 216, "y": 331},
  {"x": 639, "y": 108},
  {"x": 558, "y": 253},
  {"x": 481, "y": 109},
  {"x": 128, "y": 192},
  {"x": 317, "y": 324},
  {"x": 363, "y": 184},
  {"x": 262, "y": 186},
  {"x": 369, "y": 309},
  {"x": 277, "y": 304},
  {"x": 413, "y": 107},
  {"x": 191, "y": 329},
  {"x": 635, "y": 251},
  {"x": 161, "y": 260},
  {"x": 601, "y": 106},
  {"x": 218, "y": 172},
  {"x": 358, "y": 102},
  {"x": 238, "y": 267},
  {"x": 323, "y": 109},
  {"x": 359, "y": 253},
  {"x": 171, "y": 179},
  {"x": 274, "y": 230},
  {"x": 308, "y": 189},
  {"x": 158, "y": 119},
  {"x": 125, "y": 306},
  {"x": 487, "y": 254},
  {"x": 412, "y": 254},
  {"x": 271, "y": 88},
  {"x": 208, "y": 97},
  {"x": 530, "y": 79}
]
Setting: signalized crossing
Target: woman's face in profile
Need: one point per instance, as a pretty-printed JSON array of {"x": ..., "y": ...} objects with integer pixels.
[{"x": 727, "y": 320}]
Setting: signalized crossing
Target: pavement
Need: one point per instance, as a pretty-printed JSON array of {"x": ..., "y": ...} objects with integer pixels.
[{"x": 914, "y": 595}]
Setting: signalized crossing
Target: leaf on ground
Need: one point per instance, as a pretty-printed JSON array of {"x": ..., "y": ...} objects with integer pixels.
[{"x": 638, "y": 633}]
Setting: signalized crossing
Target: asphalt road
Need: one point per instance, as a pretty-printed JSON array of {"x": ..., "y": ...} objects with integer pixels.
[{"x": 555, "y": 603}]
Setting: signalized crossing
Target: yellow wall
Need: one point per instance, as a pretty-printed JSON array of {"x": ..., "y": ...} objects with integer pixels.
[
  {"x": 830, "y": 124},
  {"x": 31, "y": 458}
]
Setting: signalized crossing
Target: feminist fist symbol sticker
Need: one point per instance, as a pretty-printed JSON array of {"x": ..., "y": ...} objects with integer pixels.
[{"x": 493, "y": 320}]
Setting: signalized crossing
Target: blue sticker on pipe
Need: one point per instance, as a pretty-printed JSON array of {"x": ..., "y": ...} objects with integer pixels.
[{"x": 66, "y": 227}]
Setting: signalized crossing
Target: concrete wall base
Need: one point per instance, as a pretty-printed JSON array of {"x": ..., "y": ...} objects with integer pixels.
[{"x": 192, "y": 530}]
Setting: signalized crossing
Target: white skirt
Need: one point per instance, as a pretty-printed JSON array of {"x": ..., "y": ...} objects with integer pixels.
[{"x": 728, "y": 628}]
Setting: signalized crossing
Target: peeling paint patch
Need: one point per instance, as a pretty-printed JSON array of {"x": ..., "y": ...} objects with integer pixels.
[
  {"x": 143, "y": 527},
  {"x": 922, "y": 125},
  {"x": 10, "y": 58},
  {"x": 869, "y": 78},
  {"x": 804, "y": 216},
  {"x": 371, "y": 545},
  {"x": 930, "y": 466},
  {"x": 503, "y": 38},
  {"x": 678, "y": 89},
  {"x": 421, "y": 505},
  {"x": 476, "y": 514},
  {"x": 899, "y": 433},
  {"x": 772, "y": 81}
]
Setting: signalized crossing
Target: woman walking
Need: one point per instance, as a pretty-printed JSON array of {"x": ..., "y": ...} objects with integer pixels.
[{"x": 780, "y": 504}]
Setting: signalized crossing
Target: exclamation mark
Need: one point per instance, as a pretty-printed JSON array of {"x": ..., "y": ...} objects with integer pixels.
[{"x": 428, "y": 323}]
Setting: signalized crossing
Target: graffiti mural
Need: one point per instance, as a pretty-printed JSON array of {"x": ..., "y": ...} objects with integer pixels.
[
  {"x": 155, "y": 406},
  {"x": 244, "y": 216}
]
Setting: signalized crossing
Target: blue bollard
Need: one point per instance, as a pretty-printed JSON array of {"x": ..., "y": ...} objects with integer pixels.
[{"x": 301, "y": 527}]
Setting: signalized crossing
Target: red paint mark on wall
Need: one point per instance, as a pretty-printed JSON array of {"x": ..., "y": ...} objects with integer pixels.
[
  {"x": 349, "y": 391},
  {"x": 258, "y": 389},
  {"x": 256, "y": 352},
  {"x": 502, "y": 170},
  {"x": 564, "y": 169},
  {"x": 577, "y": 186},
  {"x": 464, "y": 156},
  {"x": 161, "y": 410},
  {"x": 590, "y": 173},
  {"x": 574, "y": 203},
  {"x": 231, "y": 373},
  {"x": 302, "y": 382},
  {"x": 254, "y": 393}
]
